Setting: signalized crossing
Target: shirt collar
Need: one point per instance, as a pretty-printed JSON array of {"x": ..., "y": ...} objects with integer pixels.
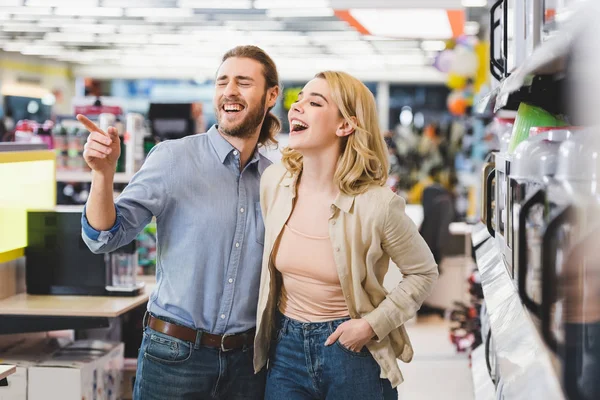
[
  {"x": 342, "y": 201},
  {"x": 221, "y": 146},
  {"x": 224, "y": 148}
]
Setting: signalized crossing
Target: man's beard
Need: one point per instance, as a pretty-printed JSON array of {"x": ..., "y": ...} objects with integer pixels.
[{"x": 248, "y": 125}]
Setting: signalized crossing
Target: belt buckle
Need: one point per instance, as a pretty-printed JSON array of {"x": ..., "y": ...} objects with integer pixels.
[{"x": 225, "y": 336}]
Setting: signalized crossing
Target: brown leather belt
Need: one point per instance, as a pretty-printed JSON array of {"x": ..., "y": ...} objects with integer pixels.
[{"x": 225, "y": 342}]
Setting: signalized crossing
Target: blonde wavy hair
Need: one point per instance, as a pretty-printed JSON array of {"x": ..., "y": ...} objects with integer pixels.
[{"x": 363, "y": 161}]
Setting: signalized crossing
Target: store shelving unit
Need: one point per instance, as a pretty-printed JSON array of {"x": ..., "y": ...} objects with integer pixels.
[
  {"x": 525, "y": 363},
  {"x": 5, "y": 372},
  {"x": 69, "y": 176}
]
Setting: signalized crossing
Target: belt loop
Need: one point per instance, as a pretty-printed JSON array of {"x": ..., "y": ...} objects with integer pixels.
[
  {"x": 145, "y": 320},
  {"x": 286, "y": 324},
  {"x": 198, "y": 339}
]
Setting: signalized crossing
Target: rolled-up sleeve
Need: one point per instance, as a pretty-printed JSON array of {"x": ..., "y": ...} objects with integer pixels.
[
  {"x": 144, "y": 197},
  {"x": 407, "y": 249}
]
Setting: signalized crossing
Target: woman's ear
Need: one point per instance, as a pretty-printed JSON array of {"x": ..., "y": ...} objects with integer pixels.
[{"x": 345, "y": 128}]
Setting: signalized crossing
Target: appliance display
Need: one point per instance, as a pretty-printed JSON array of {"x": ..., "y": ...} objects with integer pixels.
[{"x": 59, "y": 262}]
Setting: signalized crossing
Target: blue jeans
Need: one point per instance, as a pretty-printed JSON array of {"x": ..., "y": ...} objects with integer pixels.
[
  {"x": 302, "y": 367},
  {"x": 173, "y": 369}
]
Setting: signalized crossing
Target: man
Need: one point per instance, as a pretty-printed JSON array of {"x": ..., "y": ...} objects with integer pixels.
[{"x": 204, "y": 192}]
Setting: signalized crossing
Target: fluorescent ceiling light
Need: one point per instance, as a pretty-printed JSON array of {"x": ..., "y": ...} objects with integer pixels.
[
  {"x": 61, "y": 3},
  {"x": 433, "y": 45},
  {"x": 300, "y": 12},
  {"x": 193, "y": 19},
  {"x": 23, "y": 18},
  {"x": 39, "y": 50},
  {"x": 90, "y": 11},
  {"x": 217, "y": 4},
  {"x": 27, "y": 10},
  {"x": 149, "y": 28},
  {"x": 15, "y": 46},
  {"x": 474, "y": 3},
  {"x": 251, "y": 25},
  {"x": 138, "y": 3},
  {"x": 471, "y": 28},
  {"x": 69, "y": 38},
  {"x": 268, "y": 4},
  {"x": 121, "y": 38},
  {"x": 12, "y": 3},
  {"x": 91, "y": 28},
  {"x": 405, "y": 23},
  {"x": 22, "y": 27},
  {"x": 159, "y": 12},
  {"x": 59, "y": 22}
]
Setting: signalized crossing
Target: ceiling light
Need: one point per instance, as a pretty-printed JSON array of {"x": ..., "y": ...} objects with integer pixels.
[
  {"x": 91, "y": 28},
  {"x": 268, "y": 4},
  {"x": 251, "y": 25},
  {"x": 159, "y": 12},
  {"x": 121, "y": 38},
  {"x": 471, "y": 28},
  {"x": 61, "y": 3},
  {"x": 405, "y": 23},
  {"x": 15, "y": 46},
  {"x": 21, "y": 27},
  {"x": 59, "y": 22},
  {"x": 90, "y": 11},
  {"x": 69, "y": 38},
  {"x": 474, "y": 3},
  {"x": 218, "y": 4},
  {"x": 27, "y": 10},
  {"x": 300, "y": 12},
  {"x": 12, "y": 3},
  {"x": 41, "y": 50},
  {"x": 433, "y": 45}
]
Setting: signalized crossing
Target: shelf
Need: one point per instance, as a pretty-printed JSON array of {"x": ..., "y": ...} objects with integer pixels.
[
  {"x": 548, "y": 60},
  {"x": 483, "y": 386},
  {"x": 525, "y": 363},
  {"x": 35, "y": 313},
  {"x": 69, "y": 176},
  {"x": 6, "y": 370}
]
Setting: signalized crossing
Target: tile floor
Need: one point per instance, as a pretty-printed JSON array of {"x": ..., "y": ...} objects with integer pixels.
[{"x": 437, "y": 371}]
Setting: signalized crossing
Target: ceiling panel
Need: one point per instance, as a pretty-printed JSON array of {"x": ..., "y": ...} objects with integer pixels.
[{"x": 193, "y": 34}]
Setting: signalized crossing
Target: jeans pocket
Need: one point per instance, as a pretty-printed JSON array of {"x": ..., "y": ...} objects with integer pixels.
[
  {"x": 259, "y": 224},
  {"x": 167, "y": 350},
  {"x": 364, "y": 352}
]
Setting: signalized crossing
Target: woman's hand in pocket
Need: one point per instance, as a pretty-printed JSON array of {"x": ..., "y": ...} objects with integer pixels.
[{"x": 353, "y": 334}]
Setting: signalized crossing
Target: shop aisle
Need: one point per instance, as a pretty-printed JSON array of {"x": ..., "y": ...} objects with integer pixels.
[{"x": 437, "y": 371}]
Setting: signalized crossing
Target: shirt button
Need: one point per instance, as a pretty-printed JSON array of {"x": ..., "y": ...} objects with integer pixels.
[
  {"x": 337, "y": 249},
  {"x": 222, "y": 316},
  {"x": 332, "y": 222},
  {"x": 237, "y": 245},
  {"x": 235, "y": 152},
  {"x": 230, "y": 280},
  {"x": 242, "y": 209}
]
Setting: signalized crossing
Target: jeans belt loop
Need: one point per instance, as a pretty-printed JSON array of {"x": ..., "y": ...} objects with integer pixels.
[
  {"x": 198, "y": 342},
  {"x": 145, "y": 319}
]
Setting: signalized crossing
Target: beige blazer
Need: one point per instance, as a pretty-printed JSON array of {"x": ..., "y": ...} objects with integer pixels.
[{"x": 366, "y": 230}]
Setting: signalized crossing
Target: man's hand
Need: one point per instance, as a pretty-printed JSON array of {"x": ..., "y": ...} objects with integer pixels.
[
  {"x": 102, "y": 149},
  {"x": 353, "y": 335}
]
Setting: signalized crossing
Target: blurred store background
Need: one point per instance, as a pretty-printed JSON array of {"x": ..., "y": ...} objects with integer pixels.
[{"x": 488, "y": 108}]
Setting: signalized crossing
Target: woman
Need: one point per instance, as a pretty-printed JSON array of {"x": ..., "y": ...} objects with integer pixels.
[{"x": 331, "y": 228}]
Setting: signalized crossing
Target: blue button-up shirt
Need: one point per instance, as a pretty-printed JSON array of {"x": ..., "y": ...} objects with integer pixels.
[{"x": 209, "y": 227}]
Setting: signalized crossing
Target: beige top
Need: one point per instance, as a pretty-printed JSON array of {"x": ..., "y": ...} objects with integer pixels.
[
  {"x": 365, "y": 230},
  {"x": 311, "y": 290}
]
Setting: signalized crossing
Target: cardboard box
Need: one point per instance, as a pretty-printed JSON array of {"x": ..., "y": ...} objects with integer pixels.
[
  {"x": 24, "y": 355},
  {"x": 85, "y": 370},
  {"x": 128, "y": 381}
]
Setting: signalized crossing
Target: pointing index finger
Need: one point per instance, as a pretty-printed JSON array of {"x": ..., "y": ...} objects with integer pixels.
[{"x": 89, "y": 125}]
